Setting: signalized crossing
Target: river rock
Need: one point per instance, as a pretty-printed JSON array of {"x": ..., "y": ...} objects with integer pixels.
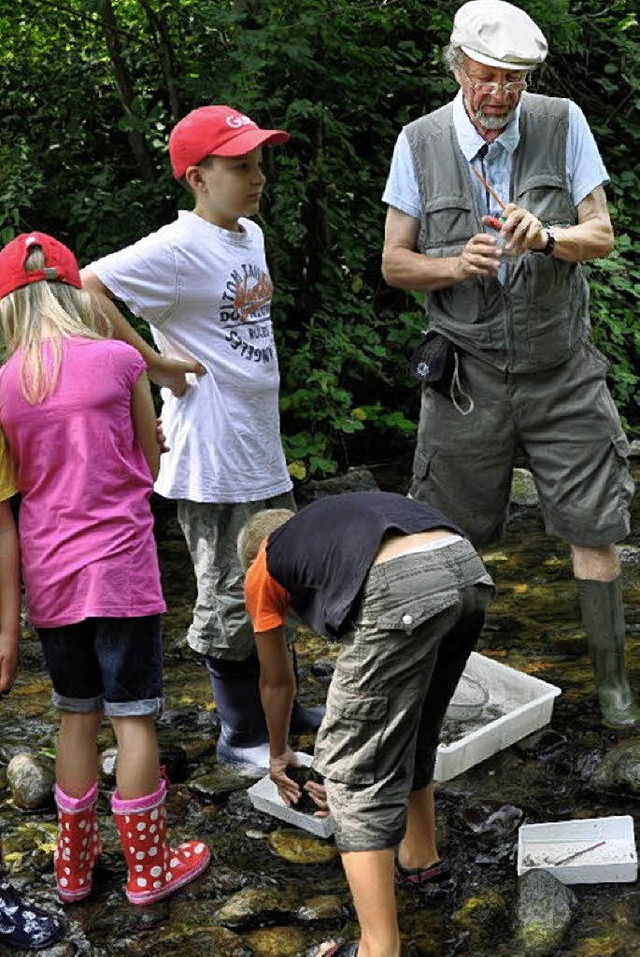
[
  {"x": 322, "y": 907},
  {"x": 257, "y": 905},
  {"x": 31, "y": 778},
  {"x": 218, "y": 783},
  {"x": 634, "y": 449},
  {"x": 619, "y": 770},
  {"x": 628, "y": 554},
  {"x": 607, "y": 944},
  {"x": 299, "y": 848},
  {"x": 355, "y": 480},
  {"x": 523, "y": 488},
  {"x": 545, "y": 907},
  {"x": 479, "y": 913},
  {"x": 276, "y": 942},
  {"x": 173, "y": 759},
  {"x": 189, "y": 942}
]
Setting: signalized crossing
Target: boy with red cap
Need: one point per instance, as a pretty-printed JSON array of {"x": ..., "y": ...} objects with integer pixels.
[{"x": 203, "y": 285}]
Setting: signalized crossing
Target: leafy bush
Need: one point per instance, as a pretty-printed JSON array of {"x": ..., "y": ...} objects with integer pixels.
[{"x": 343, "y": 76}]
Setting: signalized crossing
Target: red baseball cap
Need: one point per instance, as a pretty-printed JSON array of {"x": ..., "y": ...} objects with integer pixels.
[
  {"x": 216, "y": 131},
  {"x": 59, "y": 263}
]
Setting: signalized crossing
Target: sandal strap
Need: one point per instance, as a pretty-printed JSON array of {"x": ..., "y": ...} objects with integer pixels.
[{"x": 343, "y": 950}]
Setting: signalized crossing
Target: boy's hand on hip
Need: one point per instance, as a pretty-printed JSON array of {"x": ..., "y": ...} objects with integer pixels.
[{"x": 172, "y": 373}]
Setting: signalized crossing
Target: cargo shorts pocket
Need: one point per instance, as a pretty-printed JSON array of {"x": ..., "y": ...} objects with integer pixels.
[
  {"x": 347, "y": 744},
  {"x": 409, "y": 615},
  {"x": 625, "y": 484}
]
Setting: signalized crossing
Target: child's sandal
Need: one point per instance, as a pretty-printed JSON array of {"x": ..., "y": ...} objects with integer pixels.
[{"x": 342, "y": 950}]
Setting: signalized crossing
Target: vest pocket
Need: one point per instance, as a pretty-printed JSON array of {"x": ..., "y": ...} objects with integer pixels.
[
  {"x": 347, "y": 745},
  {"x": 447, "y": 222},
  {"x": 546, "y": 196}
]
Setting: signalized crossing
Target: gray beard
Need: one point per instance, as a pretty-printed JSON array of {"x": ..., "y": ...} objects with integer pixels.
[{"x": 493, "y": 122}]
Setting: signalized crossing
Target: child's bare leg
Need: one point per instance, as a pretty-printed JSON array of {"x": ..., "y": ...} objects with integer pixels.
[
  {"x": 77, "y": 752},
  {"x": 370, "y": 876},
  {"x": 137, "y": 769},
  {"x": 418, "y": 847}
]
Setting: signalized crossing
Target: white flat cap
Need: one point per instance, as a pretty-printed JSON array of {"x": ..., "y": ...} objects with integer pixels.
[{"x": 498, "y": 34}]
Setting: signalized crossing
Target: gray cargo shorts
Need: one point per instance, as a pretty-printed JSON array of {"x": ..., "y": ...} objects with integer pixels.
[
  {"x": 419, "y": 619},
  {"x": 220, "y": 626},
  {"x": 566, "y": 423}
]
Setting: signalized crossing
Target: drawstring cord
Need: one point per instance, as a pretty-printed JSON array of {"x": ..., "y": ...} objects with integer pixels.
[{"x": 455, "y": 384}]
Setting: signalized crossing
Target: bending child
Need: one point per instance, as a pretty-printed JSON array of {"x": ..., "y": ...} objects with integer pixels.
[
  {"x": 79, "y": 419},
  {"x": 203, "y": 285},
  {"x": 396, "y": 583}
]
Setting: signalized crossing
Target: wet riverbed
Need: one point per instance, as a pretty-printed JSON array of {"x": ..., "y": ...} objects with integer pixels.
[{"x": 303, "y": 899}]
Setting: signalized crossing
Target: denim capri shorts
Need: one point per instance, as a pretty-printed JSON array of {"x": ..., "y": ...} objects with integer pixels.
[{"x": 113, "y": 665}]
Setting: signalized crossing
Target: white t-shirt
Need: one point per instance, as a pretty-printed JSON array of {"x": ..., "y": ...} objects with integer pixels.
[{"x": 206, "y": 293}]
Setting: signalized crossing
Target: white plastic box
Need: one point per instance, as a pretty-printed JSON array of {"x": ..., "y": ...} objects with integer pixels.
[
  {"x": 264, "y": 797},
  {"x": 614, "y": 861},
  {"x": 526, "y": 703}
]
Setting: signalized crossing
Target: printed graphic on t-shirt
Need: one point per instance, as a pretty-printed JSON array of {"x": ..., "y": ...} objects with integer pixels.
[{"x": 245, "y": 301}]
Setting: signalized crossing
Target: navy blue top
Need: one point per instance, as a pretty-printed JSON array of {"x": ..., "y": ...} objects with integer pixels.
[{"x": 322, "y": 555}]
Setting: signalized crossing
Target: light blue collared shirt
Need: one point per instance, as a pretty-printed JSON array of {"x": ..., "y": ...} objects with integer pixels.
[{"x": 585, "y": 169}]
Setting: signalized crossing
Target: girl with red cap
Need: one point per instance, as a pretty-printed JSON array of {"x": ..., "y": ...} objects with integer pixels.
[{"x": 77, "y": 412}]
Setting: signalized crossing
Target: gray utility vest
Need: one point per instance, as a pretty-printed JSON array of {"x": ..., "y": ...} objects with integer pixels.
[{"x": 541, "y": 315}]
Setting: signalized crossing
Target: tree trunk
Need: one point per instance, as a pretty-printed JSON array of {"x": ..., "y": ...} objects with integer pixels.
[
  {"x": 125, "y": 89},
  {"x": 166, "y": 56}
]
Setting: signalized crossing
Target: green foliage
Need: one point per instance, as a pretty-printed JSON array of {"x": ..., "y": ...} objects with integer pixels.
[{"x": 91, "y": 88}]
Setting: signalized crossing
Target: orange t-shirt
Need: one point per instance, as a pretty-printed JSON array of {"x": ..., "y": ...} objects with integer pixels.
[{"x": 267, "y": 601}]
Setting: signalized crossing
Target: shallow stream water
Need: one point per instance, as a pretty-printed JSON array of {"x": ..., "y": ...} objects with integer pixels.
[{"x": 533, "y": 626}]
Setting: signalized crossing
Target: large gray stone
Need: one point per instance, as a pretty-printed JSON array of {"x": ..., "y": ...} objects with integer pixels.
[
  {"x": 545, "y": 908},
  {"x": 31, "y": 778},
  {"x": 619, "y": 770},
  {"x": 523, "y": 488},
  {"x": 355, "y": 480}
]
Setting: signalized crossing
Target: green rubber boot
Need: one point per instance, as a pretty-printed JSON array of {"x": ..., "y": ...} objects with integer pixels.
[{"x": 603, "y": 619}]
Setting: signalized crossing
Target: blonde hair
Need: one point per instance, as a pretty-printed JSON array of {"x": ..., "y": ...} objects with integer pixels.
[
  {"x": 46, "y": 311},
  {"x": 256, "y": 529}
]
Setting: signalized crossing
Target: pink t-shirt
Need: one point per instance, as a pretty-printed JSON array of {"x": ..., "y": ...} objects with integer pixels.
[{"x": 86, "y": 527}]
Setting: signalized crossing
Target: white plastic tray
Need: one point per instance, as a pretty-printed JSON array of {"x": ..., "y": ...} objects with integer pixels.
[
  {"x": 264, "y": 797},
  {"x": 527, "y": 703},
  {"x": 615, "y": 861}
]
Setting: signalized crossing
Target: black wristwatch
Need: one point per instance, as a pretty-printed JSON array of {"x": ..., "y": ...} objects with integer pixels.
[{"x": 550, "y": 246}]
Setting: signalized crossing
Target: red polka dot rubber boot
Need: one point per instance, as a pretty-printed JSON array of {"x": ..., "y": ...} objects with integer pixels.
[
  {"x": 155, "y": 869},
  {"x": 78, "y": 844}
]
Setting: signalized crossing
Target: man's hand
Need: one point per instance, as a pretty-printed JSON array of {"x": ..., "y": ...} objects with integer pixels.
[
  {"x": 8, "y": 661},
  {"x": 523, "y": 229},
  {"x": 480, "y": 257},
  {"x": 171, "y": 373}
]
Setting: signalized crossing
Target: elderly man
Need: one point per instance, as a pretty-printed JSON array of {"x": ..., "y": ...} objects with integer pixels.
[{"x": 517, "y": 316}]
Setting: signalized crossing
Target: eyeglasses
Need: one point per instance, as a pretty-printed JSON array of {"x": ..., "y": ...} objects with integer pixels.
[{"x": 489, "y": 88}]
